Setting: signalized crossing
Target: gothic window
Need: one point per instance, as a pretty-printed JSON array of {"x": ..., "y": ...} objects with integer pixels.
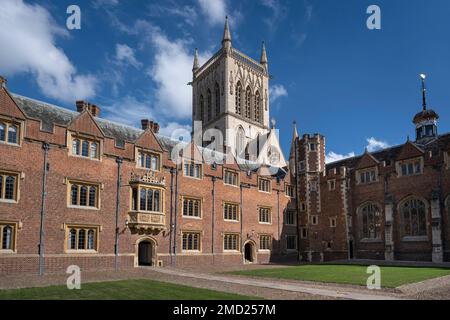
[
  {"x": 7, "y": 236},
  {"x": 238, "y": 98},
  {"x": 240, "y": 142},
  {"x": 217, "y": 98},
  {"x": 9, "y": 133},
  {"x": 209, "y": 105},
  {"x": 85, "y": 148},
  {"x": 414, "y": 220},
  {"x": 8, "y": 186},
  {"x": 147, "y": 160},
  {"x": 12, "y": 134},
  {"x": 370, "y": 219},
  {"x": 202, "y": 108},
  {"x": 257, "y": 107},
  {"x": 147, "y": 199},
  {"x": 248, "y": 99}
]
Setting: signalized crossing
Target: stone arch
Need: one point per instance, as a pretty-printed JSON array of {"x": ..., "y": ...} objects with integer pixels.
[
  {"x": 249, "y": 251},
  {"x": 413, "y": 214},
  {"x": 248, "y": 102},
  {"x": 153, "y": 250},
  {"x": 370, "y": 219}
]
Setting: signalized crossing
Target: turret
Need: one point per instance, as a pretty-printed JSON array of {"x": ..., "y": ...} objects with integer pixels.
[{"x": 426, "y": 120}]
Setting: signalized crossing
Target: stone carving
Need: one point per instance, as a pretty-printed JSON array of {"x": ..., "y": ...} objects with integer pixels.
[{"x": 149, "y": 177}]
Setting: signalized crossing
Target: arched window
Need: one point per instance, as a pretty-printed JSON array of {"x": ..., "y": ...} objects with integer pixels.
[
  {"x": 149, "y": 200},
  {"x": 209, "y": 105},
  {"x": 10, "y": 187},
  {"x": 74, "y": 194},
  {"x": 238, "y": 98},
  {"x": 202, "y": 108},
  {"x": 248, "y": 101},
  {"x": 370, "y": 220},
  {"x": 2, "y": 131},
  {"x": 72, "y": 239},
  {"x": 240, "y": 141},
  {"x": 7, "y": 238},
  {"x": 12, "y": 134},
  {"x": 414, "y": 220},
  {"x": 91, "y": 240},
  {"x": 217, "y": 98},
  {"x": 76, "y": 147},
  {"x": 257, "y": 107},
  {"x": 94, "y": 150},
  {"x": 143, "y": 198}
]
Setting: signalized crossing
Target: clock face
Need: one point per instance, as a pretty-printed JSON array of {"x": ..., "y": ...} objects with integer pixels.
[{"x": 274, "y": 155}]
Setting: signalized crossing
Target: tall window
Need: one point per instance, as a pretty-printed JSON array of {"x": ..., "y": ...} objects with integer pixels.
[
  {"x": 8, "y": 186},
  {"x": 248, "y": 102},
  {"x": 145, "y": 198},
  {"x": 202, "y": 108},
  {"x": 414, "y": 220},
  {"x": 9, "y": 132},
  {"x": 289, "y": 190},
  {"x": 192, "y": 207},
  {"x": 230, "y": 211},
  {"x": 290, "y": 218},
  {"x": 193, "y": 169},
  {"x": 191, "y": 241},
  {"x": 265, "y": 242},
  {"x": 81, "y": 238},
  {"x": 291, "y": 242},
  {"x": 148, "y": 160},
  {"x": 257, "y": 113},
  {"x": 7, "y": 235},
  {"x": 370, "y": 218},
  {"x": 264, "y": 185},
  {"x": 84, "y": 195},
  {"x": 231, "y": 242},
  {"x": 217, "y": 98},
  {"x": 265, "y": 215},
  {"x": 85, "y": 148},
  {"x": 240, "y": 142},
  {"x": 238, "y": 98},
  {"x": 230, "y": 178},
  {"x": 209, "y": 107}
]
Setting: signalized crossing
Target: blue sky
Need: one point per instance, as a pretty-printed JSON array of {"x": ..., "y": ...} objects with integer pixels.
[{"x": 330, "y": 72}]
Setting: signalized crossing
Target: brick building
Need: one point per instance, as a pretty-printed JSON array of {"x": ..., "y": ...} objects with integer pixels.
[{"x": 78, "y": 189}]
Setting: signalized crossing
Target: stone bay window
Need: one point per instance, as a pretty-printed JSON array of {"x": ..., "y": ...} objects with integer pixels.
[{"x": 147, "y": 203}]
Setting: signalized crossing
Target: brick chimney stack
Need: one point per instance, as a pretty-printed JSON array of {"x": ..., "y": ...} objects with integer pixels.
[
  {"x": 147, "y": 124},
  {"x": 92, "y": 108},
  {"x": 3, "y": 82}
]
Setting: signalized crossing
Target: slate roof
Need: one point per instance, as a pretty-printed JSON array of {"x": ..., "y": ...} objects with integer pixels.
[{"x": 50, "y": 114}]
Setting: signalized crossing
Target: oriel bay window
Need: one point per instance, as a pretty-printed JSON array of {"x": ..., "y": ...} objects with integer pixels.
[
  {"x": 82, "y": 238},
  {"x": 9, "y": 132},
  {"x": 84, "y": 195},
  {"x": 148, "y": 160},
  {"x": 146, "y": 198},
  {"x": 8, "y": 186},
  {"x": 85, "y": 148}
]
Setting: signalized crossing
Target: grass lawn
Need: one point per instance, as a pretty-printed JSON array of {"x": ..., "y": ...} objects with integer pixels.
[
  {"x": 120, "y": 290},
  {"x": 391, "y": 277}
]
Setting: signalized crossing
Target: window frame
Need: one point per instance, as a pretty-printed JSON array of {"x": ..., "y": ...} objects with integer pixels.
[
  {"x": 269, "y": 214},
  {"x": 294, "y": 217},
  {"x": 19, "y": 134},
  {"x": 225, "y": 171},
  {"x": 360, "y": 217},
  {"x": 16, "y": 192},
  {"x": 193, "y": 162},
  {"x": 414, "y": 161},
  {"x": 15, "y": 226},
  {"x": 238, "y": 242},
  {"x": 333, "y": 222},
  {"x": 331, "y": 185},
  {"x": 150, "y": 153},
  {"x": 364, "y": 172},
  {"x": 289, "y": 186},
  {"x": 295, "y": 241},
  {"x": 138, "y": 187},
  {"x": 270, "y": 241},
  {"x": 410, "y": 237},
  {"x": 238, "y": 211},
  {"x": 312, "y": 218},
  {"x": 80, "y": 184},
  {"x": 86, "y": 227},
  {"x": 191, "y": 232},
  {"x": 83, "y": 138},
  {"x": 267, "y": 180},
  {"x": 190, "y": 198}
]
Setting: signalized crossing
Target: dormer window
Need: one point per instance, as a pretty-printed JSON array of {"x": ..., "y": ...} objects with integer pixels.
[
  {"x": 410, "y": 167},
  {"x": 9, "y": 132},
  {"x": 85, "y": 148},
  {"x": 148, "y": 160},
  {"x": 193, "y": 169},
  {"x": 367, "y": 176}
]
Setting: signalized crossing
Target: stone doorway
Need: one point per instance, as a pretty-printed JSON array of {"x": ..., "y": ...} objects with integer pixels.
[
  {"x": 145, "y": 253},
  {"x": 249, "y": 252}
]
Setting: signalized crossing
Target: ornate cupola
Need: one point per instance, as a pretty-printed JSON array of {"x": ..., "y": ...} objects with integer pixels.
[{"x": 426, "y": 120}]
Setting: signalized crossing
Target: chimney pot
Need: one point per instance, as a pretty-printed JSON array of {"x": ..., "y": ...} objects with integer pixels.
[
  {"x": 95, "y": 110},
  {"x": 81, "y": 105},
  {"x": 145, "y": 123}
]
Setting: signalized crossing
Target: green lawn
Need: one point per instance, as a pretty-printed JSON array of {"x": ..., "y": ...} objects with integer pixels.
[
  {"x": 120, "y": 290},
  {"x": 391, "y": 277}
]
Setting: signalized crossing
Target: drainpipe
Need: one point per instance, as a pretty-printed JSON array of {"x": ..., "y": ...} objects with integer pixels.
[
  {"x": 213, "y": 215},
  {"x": 119, "y": 182},
  {"x": 176, "y": 218},
  {"x": 46, "y": 148},
  {"x": 278, "y": 212},
  {"x": 299, "y": 256},
  {"x": 171, "y": 215}
]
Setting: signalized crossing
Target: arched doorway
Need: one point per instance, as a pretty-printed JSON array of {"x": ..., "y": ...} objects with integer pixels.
[
  {"x": 145, "y": 253},
  {"x": 249, "y": 252}
]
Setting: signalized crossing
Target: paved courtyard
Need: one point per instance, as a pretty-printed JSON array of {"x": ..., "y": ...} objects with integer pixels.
[{"x": 213, "y": 278}]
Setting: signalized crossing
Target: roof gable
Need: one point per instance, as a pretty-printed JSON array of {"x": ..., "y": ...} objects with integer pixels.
[
  {"x": 409, "y": 150},
  {"x": 271, "y": 145},
  {"x": 85, "y": 123},
  {"x": 9, "y": 107},
  {"x": 367, "y": 161},
  {"x": 148, "y": 140}
]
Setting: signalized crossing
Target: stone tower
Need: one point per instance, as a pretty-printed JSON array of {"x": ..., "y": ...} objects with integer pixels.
[{"x": 231, "y": 94}]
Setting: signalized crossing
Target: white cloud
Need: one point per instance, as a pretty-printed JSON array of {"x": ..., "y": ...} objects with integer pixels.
[
  {"x": 172, "y": 71},
  {"x": 277, "y": 91},
  {"x": 374, "y": 144},
  {"x": 333, "y": 157},
  {"x": 27, "y": 37},
  {"x": 214, "y": 10},
  {"x": 125, "y": 54}
]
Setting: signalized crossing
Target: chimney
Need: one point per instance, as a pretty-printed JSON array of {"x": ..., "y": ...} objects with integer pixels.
[
  {"x": 84, "y": 105},
  {"x": 3, "y": 82},
  {"x": 81, "y": 105},
  {"x": 147, "y": 124},
  {"x": 95, "y": 110}
]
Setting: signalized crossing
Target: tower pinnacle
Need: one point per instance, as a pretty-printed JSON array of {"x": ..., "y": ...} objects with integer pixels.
[
  {"x": 226, "y": 41},
  {"x": 263, "y": 54},
  {"x": 196, "y": 64}
]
